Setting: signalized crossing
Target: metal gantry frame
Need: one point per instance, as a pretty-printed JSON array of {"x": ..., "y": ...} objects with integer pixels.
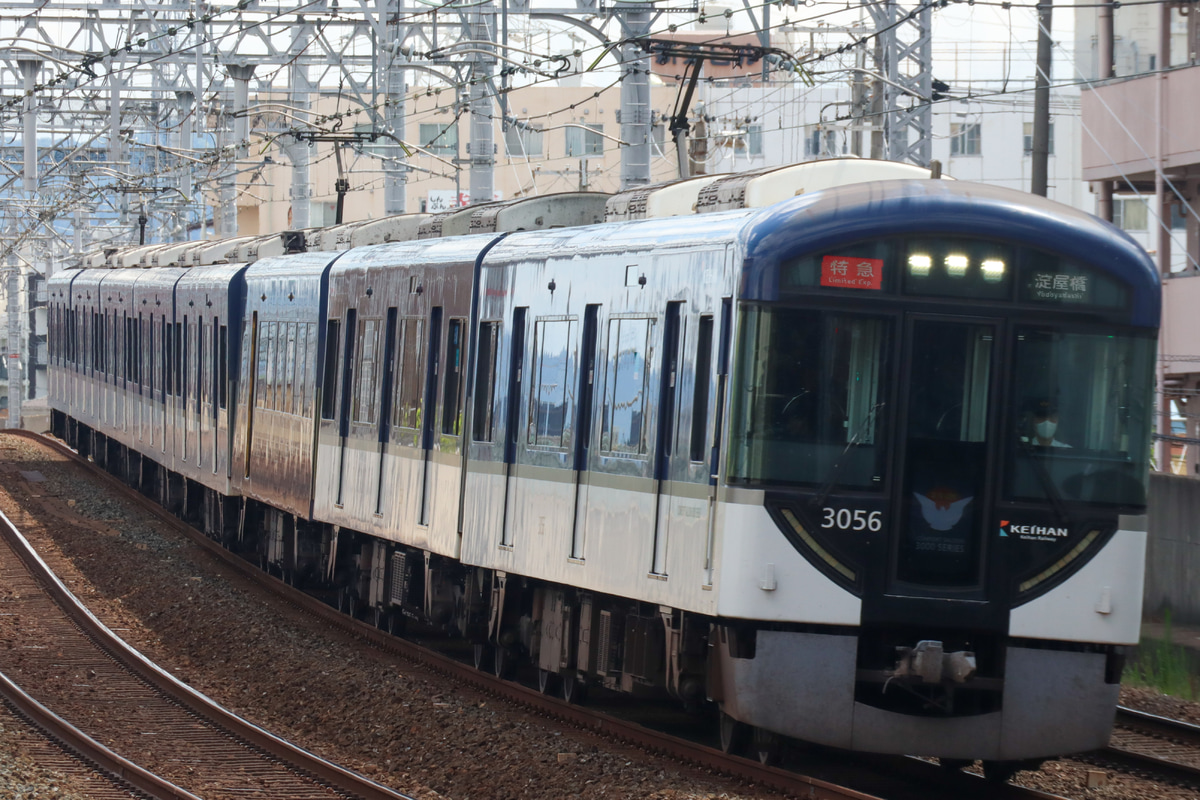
[
  {"x": 139, "y": 108},
  {"x": 904, "y": 57}
]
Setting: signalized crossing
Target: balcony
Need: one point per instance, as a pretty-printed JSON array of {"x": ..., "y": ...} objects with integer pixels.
[{"x": 1120, "y": 121}]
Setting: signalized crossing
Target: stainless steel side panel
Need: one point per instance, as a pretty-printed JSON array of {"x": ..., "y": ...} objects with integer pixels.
[
  {"x": 274, "y": 464},
  {"x": 372, "y": 479},
  {"x": 530, "y": 523},
  {"x": 202, "y": 429}
]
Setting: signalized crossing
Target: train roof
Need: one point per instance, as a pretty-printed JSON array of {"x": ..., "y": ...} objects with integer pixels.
[
  {"x": 621, "y": 237},
  {"x": 959, "y": 208},
  {"x": 293, "y": 264},
  {"x": 424, "y": 252}
]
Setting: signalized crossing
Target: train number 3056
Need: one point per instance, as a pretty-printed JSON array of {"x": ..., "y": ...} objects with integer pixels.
[{"x": 852, "y": 520}]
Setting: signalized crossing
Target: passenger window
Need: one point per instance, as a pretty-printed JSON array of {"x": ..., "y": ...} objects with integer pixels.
[
  {"x": 485, "y": 381},
  {"x": 629, "y": 358},
  {"x": 411, "y": 387},
  {"x": 553, "y": 386},
  {"x": 333, "y": 337},
  {"x": 183, "y": 336},
  {"x": 222, "y": 365},
  {"x": 700, "y": 388},
  {"x": 452, "y": 382},
  {"x": 364, "y": 392},
  {"x": 300, "y": 348}
]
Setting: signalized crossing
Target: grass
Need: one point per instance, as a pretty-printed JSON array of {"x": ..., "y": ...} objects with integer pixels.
[{"x": 1167, "y": 667}]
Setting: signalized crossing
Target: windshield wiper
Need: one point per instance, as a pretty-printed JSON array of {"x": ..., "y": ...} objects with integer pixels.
[
  {"x": 1048, "y": 484},
  {"x": 834, "y": 471}
]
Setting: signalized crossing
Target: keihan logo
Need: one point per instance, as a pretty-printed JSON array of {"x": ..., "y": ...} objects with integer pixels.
[
  {"x": 942, "y": 508},
  {"x": 1041, "y": 533}
]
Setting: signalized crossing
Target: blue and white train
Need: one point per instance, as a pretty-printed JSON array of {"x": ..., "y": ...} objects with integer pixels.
[{"x": 866, "y": 467}]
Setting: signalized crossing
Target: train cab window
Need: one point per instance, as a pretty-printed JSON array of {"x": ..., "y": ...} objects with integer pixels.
[
  {"x": 485, "y": 381},
  {"x": 945, "y": 457},
  {"x": 807, "y": 398},
  {"x": 552, "y": 390},
  {"x": 333, "y": 336},
  {"x": 630, "y": 356},
  {"x": 1081, "y": 428},
  {"x": 452, "y": 386}
]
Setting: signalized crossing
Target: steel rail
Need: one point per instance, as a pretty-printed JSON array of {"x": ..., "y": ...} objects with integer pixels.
[
  {"x": 87, "y": 749},
  {"x": 1171, "y": 732},
  {"x": 191, "y": 699},
  {"x": 937, "y": 781}
]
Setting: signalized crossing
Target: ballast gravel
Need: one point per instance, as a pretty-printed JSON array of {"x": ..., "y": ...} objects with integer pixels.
[{"x": 405, "y": 727}]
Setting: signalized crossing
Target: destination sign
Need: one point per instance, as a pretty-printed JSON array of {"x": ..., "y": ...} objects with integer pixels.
[{"x": 848, "y": 272}]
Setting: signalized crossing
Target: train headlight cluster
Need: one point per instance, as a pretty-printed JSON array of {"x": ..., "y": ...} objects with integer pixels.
[
  {"x": 993, "y": 270},
  {"x": 956, "y": 265},
  {"x": 920, "y": 265}
]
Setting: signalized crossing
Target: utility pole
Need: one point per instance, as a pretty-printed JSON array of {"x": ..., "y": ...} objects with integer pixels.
[
  {"x": 240, "y": 74},
  {"x": 635, "y": 99},
  {"x": 186, "y": 112},
  {"x": 14, "y": 343},
  {"x": 395, "y": 176},
  {"x": 1039, "y": 169},
  {"x": 298, "y": 151},
  {"x": 481, "y": 149},
  {"x": 1104, "y": 36}
]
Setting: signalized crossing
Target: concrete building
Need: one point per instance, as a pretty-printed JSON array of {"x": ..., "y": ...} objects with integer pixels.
[{"x": 1142, "y": 148}]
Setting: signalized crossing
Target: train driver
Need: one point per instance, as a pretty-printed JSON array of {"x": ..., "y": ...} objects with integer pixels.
[{"x": 1045, "y": 425}]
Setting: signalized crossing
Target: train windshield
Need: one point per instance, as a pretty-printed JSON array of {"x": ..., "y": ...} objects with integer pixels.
[
  {"x": 808, "y": 398},
  {"x": 1083, "y": 417}
]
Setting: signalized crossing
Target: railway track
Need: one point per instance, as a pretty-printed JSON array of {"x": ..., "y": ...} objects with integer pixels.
[
  {"x": 76, "y": 666},
  {"x": 70, "y": 751},
  {"x": 894, "y": 778},
  {"x": 1155, "y": 746}
]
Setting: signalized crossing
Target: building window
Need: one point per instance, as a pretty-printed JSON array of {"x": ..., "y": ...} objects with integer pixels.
[
  {"x": 1130, "y": 213},
  {"x": 754, "y": 144},
  {"x": 322, "y": 214},
  {"x": 1029, "y": 138},
  {"x": 523, "y": 140},
  {"x": 441, "y": 140},
  {"x": 965, "y": 138},
  {"x": 658, "y": 139},
  {"x": 585, "y": 140},
  {"x": 1179, "y": 215},
  {"x": 819, "y": 142}
]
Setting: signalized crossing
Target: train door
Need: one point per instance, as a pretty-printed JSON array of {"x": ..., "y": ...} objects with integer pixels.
[
  {"x": 945, "y": 455},
  {"x": 664, "y": 446},
  {"x": 583, "y": 428},
  {"x": 429, "y": 411},
  {"x": 512, "y": 433}
]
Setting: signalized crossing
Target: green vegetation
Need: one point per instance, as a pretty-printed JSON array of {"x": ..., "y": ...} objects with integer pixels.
[{"x": 1167, "y": 667}]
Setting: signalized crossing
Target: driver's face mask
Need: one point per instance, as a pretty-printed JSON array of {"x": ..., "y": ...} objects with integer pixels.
[{"x": 1046, "y": 428}]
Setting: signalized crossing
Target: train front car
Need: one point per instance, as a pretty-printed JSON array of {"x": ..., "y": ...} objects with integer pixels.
[{"x": 935, "y": 486}]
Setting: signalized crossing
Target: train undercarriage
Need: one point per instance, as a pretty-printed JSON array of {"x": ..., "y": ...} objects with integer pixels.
[{"x": 575, "y": 640}]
